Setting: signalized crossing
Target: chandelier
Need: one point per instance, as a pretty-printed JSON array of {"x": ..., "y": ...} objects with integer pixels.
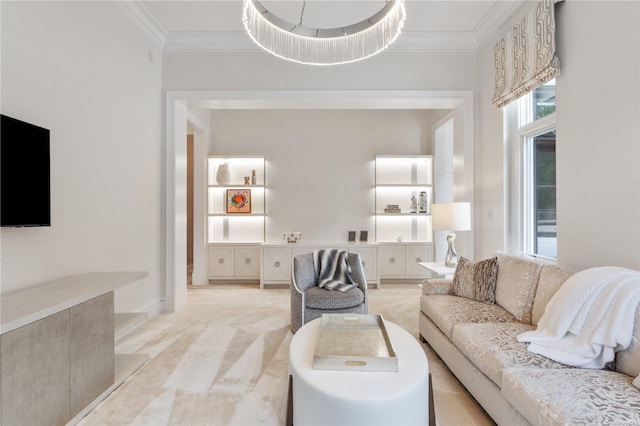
[{"x": 318, "y": 46}]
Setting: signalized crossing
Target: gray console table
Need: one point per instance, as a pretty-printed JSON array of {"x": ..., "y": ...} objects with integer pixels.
[{"x": 57, "y": 348}]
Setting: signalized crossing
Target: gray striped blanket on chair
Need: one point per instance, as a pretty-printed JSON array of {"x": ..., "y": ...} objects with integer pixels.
[{"x": 332, "y": 270}]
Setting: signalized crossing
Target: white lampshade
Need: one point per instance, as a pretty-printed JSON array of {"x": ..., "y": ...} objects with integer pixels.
[{"x": 451, "y": 216}]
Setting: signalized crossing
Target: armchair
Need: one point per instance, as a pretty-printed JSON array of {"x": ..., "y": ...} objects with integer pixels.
[{"x": 308, "y": 301}]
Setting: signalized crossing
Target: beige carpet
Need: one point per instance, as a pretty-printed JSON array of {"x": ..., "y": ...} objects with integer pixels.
[{"x": 222, "y": 360}]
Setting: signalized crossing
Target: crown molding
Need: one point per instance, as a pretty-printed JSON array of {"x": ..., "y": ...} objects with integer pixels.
[
  {"x": 145, "y": 20},
  {"x": 238, "y": 41},
  {"x": 500, "y": 13}
]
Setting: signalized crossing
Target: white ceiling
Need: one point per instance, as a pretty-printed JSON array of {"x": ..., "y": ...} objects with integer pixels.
[{"x": 430, "y": 24}]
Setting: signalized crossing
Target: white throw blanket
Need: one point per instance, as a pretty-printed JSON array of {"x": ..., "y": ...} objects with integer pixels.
[
  {"x": 589, "y": 319},
  {"x": 332, "y": 270}
]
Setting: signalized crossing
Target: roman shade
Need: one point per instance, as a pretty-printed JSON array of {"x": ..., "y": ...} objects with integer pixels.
[{"x": 525, "y": 57}]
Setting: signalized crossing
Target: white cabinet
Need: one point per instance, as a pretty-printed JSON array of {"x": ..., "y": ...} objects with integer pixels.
[
  {"x": 402, "y": 260},
  {"x": 221, "y": 261},
  {"x": 403, "y": 227},
  {"x": 233, "y": 261},
  {"x": 368, "y": 257},
  {"x": 247, "y": 262},
  {"x": 413, "y": 256},
  {"x": 276, "y": 265},
  {"x": 391, "y": 261},
  {"x": 277, "y": 260},
  {"x": 235, "y": 216}
]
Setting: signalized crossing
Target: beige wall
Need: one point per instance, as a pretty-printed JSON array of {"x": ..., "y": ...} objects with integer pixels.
[
  {"x": 320, "y": 163},
  {"x": 261, "y": 71},
  {"x": 88, "y": 73},
  {"x": 598, "y": 139},
  {"x": 598, "y": 132}
]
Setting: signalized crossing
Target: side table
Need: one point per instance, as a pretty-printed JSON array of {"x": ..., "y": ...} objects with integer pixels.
[{"x": 439, "y": 268}]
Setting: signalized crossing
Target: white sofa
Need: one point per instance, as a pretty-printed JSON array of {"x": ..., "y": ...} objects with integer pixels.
[{"x": 478, "y": 343}]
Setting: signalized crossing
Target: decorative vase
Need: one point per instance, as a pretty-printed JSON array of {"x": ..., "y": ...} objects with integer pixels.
[
  {"x": 423, "y": 205},
  {"x": 414, "y": 204},
  {"x": 222, "y": 175}
]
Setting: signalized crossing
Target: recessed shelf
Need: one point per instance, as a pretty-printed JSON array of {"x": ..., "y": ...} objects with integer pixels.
[
  {"x": 400, "y": 180},
  {"x": 229, "y": 226}
]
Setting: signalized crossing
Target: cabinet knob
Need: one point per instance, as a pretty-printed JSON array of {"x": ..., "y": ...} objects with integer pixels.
[
  {"x": 392, "y": 260},
  {"x": 221, "y": 261},
  {"x": 418, "y": 260},
  {"x": 247, "y": 260},
  {"x": 277, "y": 264}
]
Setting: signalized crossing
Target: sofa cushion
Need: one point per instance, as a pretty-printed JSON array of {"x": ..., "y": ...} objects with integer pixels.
[
  {"x": 436, "y": 286},
  {"x": 516, "y": 285},
  {"x": 493, "y": 347},
  {"x": 572, "y": 396},
  {"x": 551, "y": 278},
  {"x": 476, "y": 281},
  {"x": 319, "y": 298},
  {"x": 447, "y": 311},
  {"x": 628, "y": 360}
]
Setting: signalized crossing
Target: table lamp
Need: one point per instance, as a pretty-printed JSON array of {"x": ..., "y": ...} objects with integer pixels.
[{"x": 451, "y": 217}]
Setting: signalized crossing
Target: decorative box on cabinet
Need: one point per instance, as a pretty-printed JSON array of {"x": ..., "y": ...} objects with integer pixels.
[
  {"x": 233, "y": 261},
  {"x": 277, "y": 258},
  {"x": 402, "y": 260}
]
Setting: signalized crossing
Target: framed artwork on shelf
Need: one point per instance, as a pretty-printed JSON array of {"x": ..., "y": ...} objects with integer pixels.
[{"x": 238, "y": 201}]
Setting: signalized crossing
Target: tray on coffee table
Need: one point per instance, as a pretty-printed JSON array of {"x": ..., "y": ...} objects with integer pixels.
[{"x": 354, "y": 342}]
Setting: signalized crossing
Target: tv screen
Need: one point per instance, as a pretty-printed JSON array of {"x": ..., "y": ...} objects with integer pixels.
[{"x": 25, "y": 189}]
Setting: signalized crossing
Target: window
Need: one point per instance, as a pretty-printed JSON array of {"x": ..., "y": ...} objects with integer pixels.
[{"x": 531, "y": 165}]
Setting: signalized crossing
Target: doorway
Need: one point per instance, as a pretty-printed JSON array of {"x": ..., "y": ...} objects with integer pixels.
[{"x": 180, "y": 103}]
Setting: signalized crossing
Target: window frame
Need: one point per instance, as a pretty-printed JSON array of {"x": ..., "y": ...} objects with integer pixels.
[{"x": 521, "y": 127}]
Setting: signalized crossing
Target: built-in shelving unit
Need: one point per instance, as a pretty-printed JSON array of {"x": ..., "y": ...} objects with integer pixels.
[
  {"x": 223, "y": 226},
  {"x": 233, "y": 238},
  {"x": 405, "y": 236}
]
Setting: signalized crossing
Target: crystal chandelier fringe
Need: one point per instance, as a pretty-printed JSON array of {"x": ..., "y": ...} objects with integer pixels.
[{"x": 328, "y": 50}]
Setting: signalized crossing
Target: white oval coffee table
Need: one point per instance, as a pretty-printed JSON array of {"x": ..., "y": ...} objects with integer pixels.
[{"x": 326, "y": 397}]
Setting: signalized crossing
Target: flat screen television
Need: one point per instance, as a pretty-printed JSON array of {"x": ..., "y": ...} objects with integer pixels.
[{"x": 25, "y": 183}]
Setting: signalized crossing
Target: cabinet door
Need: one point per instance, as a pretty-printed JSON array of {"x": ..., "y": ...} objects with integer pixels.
[
  {"x": 276, "y": 264},
  {"x": 247, "y": 261},
  {"x": 221, "y": 261},
  {"x": 391, "y": 261},
  {"x": 413, "y": 256},
  {"x": 369, "y": 262}
]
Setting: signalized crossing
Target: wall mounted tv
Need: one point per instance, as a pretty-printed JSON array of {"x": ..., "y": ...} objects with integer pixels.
[{"x": 25, "y": 187}]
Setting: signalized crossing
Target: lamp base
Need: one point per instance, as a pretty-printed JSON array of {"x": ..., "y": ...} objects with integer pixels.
[{"x": 451, "y": 258}]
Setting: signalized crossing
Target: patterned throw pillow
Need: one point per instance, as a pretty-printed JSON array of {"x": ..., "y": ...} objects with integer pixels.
[
  {"x": 476, "y": 281},
  {"x": 463, "y": 279}
]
